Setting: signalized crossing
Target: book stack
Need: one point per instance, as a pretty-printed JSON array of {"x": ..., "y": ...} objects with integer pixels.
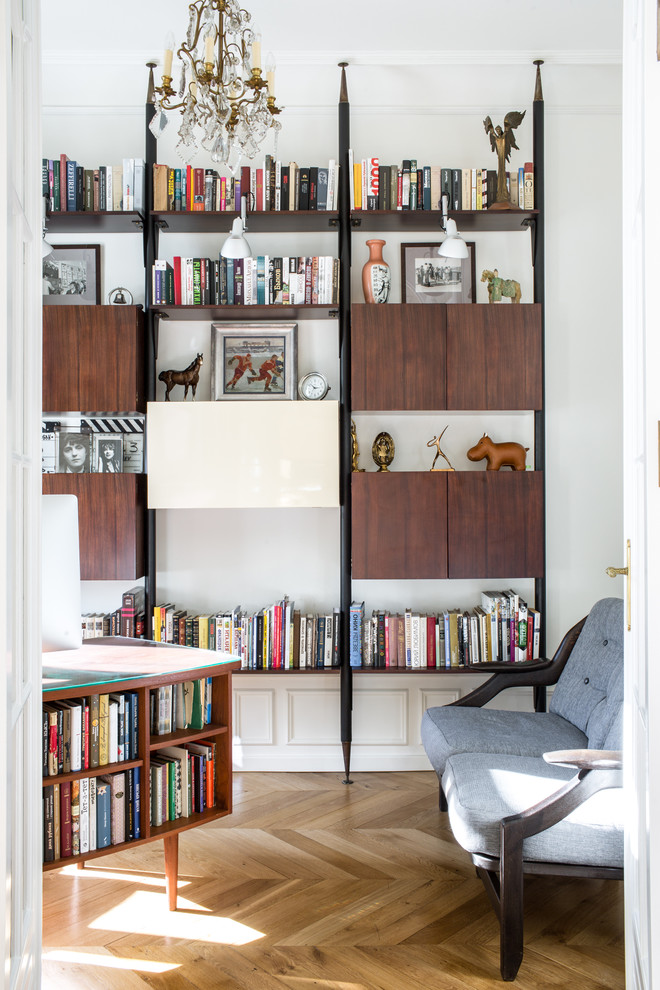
[
  {"x": 502, "y": 629},
  {"x": 186, "y": 705},
  {"x": 264, "y": 280},
  {"x": 182, "y": 781},
  {"x": 70, "y": 187},
  {"x": 409, "y": 186},
  {"x": 89, "y": 813},
  {"x": 89, "y": 732},
  {"x": 270, "y": 186}
]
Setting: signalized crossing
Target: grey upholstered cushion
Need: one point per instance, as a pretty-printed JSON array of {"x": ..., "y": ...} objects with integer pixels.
[
  {"x": 483, "y": 789},
  {"x": 589, "y": 692},
  {"x": 451, "y": 730}
]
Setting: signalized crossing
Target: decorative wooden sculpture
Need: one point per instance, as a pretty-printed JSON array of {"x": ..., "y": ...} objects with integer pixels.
[
  {"x": 355, "y": 450},
  {"x": 188, "y": 378},
  {"x": 439, "y": 452},
  {"x": 501, "y": 142},
  {"x": 499, "y": 288},
  {"x": 382, "y": 451},
  {"x": 498, "y": 455}
]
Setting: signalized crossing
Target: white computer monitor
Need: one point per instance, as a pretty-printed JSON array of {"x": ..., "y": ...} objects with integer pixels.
[{"x": 60, "y": 574}]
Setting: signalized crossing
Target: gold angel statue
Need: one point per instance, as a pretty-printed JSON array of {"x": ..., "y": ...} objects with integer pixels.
[{"x": 501, "y": 142}]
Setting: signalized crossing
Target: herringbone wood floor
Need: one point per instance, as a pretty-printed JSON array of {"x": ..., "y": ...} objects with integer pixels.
[{"x": 312, "y": 883}]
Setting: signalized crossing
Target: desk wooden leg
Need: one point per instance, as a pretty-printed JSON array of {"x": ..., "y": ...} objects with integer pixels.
[
  {"x": 171, "y": 843},
  {"x": 80, "y": 865}
]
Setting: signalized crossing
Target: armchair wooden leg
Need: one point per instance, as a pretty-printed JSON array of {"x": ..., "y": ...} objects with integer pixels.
[{"x": 511, "y": 902}]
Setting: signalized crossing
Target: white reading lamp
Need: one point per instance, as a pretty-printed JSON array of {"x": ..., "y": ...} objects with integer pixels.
[
  {"x": 236, "y": 246},
  {"x": 453, "y": 245}
]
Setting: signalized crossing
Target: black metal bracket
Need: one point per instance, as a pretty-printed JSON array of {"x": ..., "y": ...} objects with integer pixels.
[
  {"x": 161, "y": 224},
  {"x": 356, "y": 221},
  {"x": 333, "y": 221},
  {"x": 531, "y": 223},
  {"x": 139, "y": 223}
]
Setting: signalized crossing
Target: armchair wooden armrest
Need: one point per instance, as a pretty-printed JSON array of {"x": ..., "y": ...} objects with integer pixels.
[
  {"x": 586, "y": 759},
  {"x": 542, "y": 673}
]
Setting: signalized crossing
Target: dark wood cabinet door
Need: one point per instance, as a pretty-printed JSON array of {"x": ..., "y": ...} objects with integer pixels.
[
  {"x": 495, "y": 524},
  {"x": 398, "y": 357},
  {"x": 111, "y": 512},
  {"x": 93, "y": 358},
  {"x": 399, "y": 525},
  {"x": 494, "y": 356}
]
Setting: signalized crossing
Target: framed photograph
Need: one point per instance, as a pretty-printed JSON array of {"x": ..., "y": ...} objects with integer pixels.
[
  {"x": 75, "y": 450},
  {"x": 71, "y": 275},
  {"x": 254, "y": 360},
  {"x": 428, "y": 278},
  {"x": 108, "y": 453}
]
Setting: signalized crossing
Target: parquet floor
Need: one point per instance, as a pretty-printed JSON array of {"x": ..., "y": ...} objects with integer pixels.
[{"x": 315, "y": 884}]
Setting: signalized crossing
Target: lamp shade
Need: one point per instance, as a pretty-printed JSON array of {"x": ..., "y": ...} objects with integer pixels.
[
  {"x": 236, "y": 245},
  {"x": 453, "y": 245}
]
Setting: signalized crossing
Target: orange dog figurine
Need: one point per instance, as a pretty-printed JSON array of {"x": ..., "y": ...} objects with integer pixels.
[{"x": 498, "y": 454}]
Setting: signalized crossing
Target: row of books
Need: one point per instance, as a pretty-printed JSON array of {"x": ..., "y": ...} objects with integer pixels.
[
  {"x": 278, "y": 637},
  {"x": 69, "y": 186},
  {"x": 408, "y": 186},
  {"x": 90, "y": 813},
  {"x": 260, "y": 281},
  {"x": 186, "y": 705},
  {"x": 89, "y": 732},
  {"x": 272, "y": 185},
  {"x": 115, "y": 447},
  {"x": 127, "y": 620},
  {"x": 504, "y": 628},
  {"x": 182, "y": 781}
]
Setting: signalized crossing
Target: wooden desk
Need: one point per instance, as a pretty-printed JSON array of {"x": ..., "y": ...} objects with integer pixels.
[{"x": 117, "y": 665}]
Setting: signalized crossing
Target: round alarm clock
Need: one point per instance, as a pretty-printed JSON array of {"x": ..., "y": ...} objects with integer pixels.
[{"x": 313, "y": 386}]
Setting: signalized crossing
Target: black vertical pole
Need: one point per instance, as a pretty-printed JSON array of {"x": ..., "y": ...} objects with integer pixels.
[
  {"x": 345, "y": 450},
  {"x": 538, "y": 260},
  {"x": 150, "y": 249}
]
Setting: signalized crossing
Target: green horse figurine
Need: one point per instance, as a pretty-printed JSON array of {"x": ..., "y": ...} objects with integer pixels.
[{"x": 499, "y": 288}]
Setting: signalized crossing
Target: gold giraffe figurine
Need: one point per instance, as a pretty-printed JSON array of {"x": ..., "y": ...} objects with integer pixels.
[
  {"x": 439, "y": 452},
  {"x": 355, "y": 455}
]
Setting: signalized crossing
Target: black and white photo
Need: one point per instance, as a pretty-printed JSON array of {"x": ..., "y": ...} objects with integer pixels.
[
  {"x": 108, "y": 453},
  {"x": 428, "y": 278},
  {"x": 71, "y": 275}
]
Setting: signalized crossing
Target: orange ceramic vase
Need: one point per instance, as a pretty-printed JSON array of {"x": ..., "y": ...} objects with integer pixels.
[{"x": 376, "y": 276}]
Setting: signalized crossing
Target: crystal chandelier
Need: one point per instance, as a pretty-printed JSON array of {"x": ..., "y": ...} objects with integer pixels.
[{"x": 224, "y": 101}]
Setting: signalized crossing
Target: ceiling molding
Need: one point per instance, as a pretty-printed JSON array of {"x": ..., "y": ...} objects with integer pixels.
[
  {"x": 356, "y": 59},
  {"x": 362, "y": 111}
]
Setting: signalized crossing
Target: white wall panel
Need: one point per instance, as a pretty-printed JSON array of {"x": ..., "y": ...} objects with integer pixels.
[
  {"x": 254, "y": 717},
  {"x": 313, "y": 717},
  {"x": 380, "y": 716}
]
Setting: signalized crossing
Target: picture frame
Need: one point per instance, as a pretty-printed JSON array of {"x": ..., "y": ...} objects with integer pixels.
[
  {"x": 428, "y": 278},
  {"x": 71, "y": 275},
  {"x": 108, "y": 453},
  {"x": 76, "y": 449},
  {"x": 254, "y": 360}
]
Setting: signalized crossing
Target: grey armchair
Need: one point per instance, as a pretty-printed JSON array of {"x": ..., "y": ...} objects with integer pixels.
[{"x": 535, "y": 793}]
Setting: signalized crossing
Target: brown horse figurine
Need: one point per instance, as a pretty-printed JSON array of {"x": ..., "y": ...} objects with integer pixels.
[
  {"x": 188, "y": 378},
  {"x": 498, "y": 455}
]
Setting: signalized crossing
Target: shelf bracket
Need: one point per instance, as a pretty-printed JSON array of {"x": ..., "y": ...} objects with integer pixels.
[
  {"x": 139, "y": 223},
  {"x": 356, "y": 221},
  {"x": 333, "y": 221},
  {"x": 161, "y": 224},
  {"x": 531, "y": 223}
]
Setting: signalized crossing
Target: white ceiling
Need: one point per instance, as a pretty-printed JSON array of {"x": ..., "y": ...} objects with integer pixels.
[{"x": 348, "y": 26}]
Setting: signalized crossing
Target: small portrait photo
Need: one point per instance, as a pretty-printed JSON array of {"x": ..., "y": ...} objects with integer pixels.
[
  {"x": 108, "y": 453},
  {"x": 75, "y": 452}
]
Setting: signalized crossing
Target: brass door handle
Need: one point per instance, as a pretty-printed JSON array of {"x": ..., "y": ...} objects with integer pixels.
[{"x": 615, "y": 571}]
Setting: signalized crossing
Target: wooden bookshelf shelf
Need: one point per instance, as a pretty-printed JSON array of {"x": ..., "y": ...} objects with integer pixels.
[
  {"x": 246, "y": 313},
  {"x": 88, "y": 222},
  {"x": 180, "y": 221},
  {"x": 466, "y": 220}
]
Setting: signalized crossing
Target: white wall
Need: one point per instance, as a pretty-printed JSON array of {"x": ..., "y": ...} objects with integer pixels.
[{"x": 428, "y": 104}]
